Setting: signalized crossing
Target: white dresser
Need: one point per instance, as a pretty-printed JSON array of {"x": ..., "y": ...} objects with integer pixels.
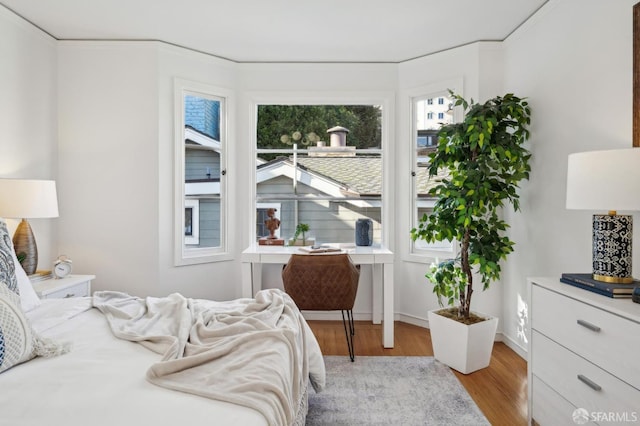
[{"x": 584, "y": 356}]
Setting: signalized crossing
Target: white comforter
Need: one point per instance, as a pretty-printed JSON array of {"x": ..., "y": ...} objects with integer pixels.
[{"x": 258, "y": 353}]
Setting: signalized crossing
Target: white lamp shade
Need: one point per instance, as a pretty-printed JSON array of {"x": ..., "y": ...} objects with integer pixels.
[
  {"x": 27, "y": 199},
  {"x": 604, "y": 180}
]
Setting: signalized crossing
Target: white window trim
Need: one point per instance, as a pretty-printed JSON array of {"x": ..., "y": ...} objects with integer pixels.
[
  {"x": 411, "y": 96},
  {"x": 194, "y": 238},
  {"x": 385, "y": 99},
  {"x": 184, "y": 255}
]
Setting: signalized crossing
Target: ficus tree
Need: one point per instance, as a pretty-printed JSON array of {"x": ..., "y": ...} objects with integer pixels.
[{"x": 485, "y": 159}]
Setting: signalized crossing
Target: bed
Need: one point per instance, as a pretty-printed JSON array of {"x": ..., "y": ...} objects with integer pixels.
[{"x": 118, "y": 359}]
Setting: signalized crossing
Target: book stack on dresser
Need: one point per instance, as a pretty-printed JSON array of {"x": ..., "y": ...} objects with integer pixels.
[{"x": 586, "y": 282}]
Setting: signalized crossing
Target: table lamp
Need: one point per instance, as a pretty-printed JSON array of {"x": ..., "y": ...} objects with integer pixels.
[
  {"x": 607, "y": 181},
  {"x": 27, "y": 199}
]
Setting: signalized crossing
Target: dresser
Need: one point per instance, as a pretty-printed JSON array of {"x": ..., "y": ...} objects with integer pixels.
[{"x": 584, "y": 356}]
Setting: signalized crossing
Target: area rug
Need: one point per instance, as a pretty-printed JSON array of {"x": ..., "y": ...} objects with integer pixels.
[{"x": 390, "y": 390}]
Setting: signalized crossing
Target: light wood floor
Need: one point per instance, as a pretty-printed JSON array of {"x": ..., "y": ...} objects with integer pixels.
[{"x": 500, "y": 390}]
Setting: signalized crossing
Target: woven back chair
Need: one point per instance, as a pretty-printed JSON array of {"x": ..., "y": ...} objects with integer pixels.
[{"x": 324, "y": 282}]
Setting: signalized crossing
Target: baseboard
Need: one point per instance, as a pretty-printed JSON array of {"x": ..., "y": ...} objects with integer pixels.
[
  {"x": 414, "y": 320},
  {"x": 516, "y": 347},
  {"x": 334, "y": 316},
  {"x": 409, "y": 319}
]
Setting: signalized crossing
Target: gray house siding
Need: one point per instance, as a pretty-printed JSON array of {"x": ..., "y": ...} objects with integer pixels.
[
  {"x": 198, "y": 161},
  {"x": 329, "y": 221},
  {"x": 209, "y": 223}
]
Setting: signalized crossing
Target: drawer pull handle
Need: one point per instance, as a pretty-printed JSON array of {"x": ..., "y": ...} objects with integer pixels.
[
  {"x": 589, "y": 325},
  {"x": 69, "y": 295},
  {"x": 593, "y": 385}
]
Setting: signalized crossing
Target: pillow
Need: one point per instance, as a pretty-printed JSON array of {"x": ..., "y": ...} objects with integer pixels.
[
  {"x": 28, "y": 297},
  {"x": 7, "y": 266},
  {"x": 16, "y": 337}
]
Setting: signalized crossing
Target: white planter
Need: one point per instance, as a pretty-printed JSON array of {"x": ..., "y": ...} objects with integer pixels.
[{"x": 465, "y": 348}]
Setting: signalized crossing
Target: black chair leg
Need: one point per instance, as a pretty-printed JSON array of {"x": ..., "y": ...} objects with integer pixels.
[{"x": 350, "y": 332}]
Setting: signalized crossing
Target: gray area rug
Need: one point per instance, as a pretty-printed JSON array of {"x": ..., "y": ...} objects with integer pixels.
[{"x": 391, "y": 390}]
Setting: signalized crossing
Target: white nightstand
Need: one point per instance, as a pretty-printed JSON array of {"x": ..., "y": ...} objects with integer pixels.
[{"x": 71, "y": 286}]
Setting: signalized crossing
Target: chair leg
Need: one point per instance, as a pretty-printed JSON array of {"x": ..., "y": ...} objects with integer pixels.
[{"x": 349, "y": 333}]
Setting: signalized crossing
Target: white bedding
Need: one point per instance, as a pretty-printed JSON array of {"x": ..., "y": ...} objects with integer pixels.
[{"x": 101, "y": 381}]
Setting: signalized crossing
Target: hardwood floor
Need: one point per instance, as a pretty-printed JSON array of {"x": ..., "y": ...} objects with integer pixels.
[{"x": 500, "y": 390}]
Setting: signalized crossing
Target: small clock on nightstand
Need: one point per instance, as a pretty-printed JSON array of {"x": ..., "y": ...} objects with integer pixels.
[{"x": 62, "y": 266}]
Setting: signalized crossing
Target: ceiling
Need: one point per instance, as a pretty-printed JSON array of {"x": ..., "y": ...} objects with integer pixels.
[{"x": 285, "y": 30}]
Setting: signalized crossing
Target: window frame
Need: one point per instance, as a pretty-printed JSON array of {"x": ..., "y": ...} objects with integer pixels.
[
  {"x": 184, "y": 255},
  {"x": 384, "y": 99}
]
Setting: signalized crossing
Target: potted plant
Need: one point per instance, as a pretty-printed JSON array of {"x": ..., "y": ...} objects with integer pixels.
[
  {"x": 485, "y": 159},
  {"x": 301, "y": 228}
]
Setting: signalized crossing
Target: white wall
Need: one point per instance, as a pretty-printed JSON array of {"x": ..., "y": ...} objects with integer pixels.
[
  {"x": 28, "y": 116},
  {"x": 108, "y": 162},
  {"x": 574, "y": 62}
]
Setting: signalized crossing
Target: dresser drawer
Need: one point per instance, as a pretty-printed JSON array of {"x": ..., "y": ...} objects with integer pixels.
[
  {"x": 560, "y": 369},
  {"x": 550, "y": 408},
  {"x": 560, "y": 317},
  {"x": 78, "y": 290}
]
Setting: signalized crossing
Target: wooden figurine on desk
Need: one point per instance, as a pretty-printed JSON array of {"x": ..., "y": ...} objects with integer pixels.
[{"x": 272, "y": 224}]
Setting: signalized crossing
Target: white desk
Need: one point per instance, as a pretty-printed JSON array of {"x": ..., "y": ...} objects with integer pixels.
[{"x": 380, "y": 258}]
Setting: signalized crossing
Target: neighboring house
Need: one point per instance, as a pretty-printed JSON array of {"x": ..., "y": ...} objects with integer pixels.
[{"x": 331, "y": 194}]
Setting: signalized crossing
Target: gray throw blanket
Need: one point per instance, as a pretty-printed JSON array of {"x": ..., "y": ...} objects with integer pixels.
[{"x": 252, "y": 352}]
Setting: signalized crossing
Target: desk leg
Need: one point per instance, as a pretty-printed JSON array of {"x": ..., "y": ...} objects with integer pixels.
[
  {"x": 387, "y": 325},
  {"x": 251, "y": 279},
  {"x": 247, "y": 280},
  {"x": 376, "y": 293},
  {"x": 256, "y": 278}
]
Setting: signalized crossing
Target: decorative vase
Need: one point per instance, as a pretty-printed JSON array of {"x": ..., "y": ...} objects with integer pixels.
[
  {"x": 465, "y": 348},
  {"x": 364, "y": 232}
]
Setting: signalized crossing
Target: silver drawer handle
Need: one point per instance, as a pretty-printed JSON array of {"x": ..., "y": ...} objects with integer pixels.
[
  {"x": 593, "y": 385},
  {"x": 589, "y": 325},
  {"x": 69, "y": 295}
]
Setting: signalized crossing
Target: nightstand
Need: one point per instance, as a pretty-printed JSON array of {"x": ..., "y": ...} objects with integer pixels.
[{"x": 59, "y": 288}]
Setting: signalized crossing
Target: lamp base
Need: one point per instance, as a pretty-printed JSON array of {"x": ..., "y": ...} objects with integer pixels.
[
  {"x": 24, "y": 243},
  {"x": 612, "y": 237}
]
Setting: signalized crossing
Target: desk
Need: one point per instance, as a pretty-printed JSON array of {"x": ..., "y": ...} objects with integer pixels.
[{"x": 380, "y": 258}]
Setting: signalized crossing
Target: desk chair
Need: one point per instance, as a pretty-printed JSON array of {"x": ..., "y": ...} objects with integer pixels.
[{"x": 324, "y": 282}]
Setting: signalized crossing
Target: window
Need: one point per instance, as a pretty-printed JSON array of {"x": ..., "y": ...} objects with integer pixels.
[
  {"x": 322, "y": 165},
  {"x": 200, "y": 156},
  {"x": 430, "y": 101},
  {"x": 261, "y": 218},
  {"x": 425, "y": 140}
]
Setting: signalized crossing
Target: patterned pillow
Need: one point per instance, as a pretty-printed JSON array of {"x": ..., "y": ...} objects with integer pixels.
[
  {"x": 16, "y": 337},
  {"x": 8, "y": 263},
  {"x": 7, "y": 267}
]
